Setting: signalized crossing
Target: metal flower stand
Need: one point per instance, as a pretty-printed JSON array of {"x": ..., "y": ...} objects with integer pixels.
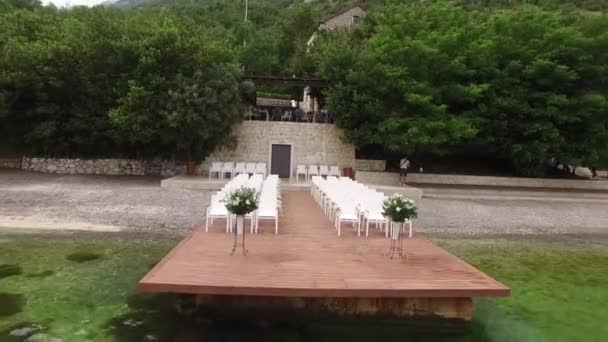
[
  {"x": 396, "y": 238},
  {"x": 239, "y": 234}
]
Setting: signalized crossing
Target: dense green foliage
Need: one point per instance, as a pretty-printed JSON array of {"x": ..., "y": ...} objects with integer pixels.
[
  {"x": 497, "y": 78},
  {"x": 74, "y": 82},
  {"x": 525, "y": 84}
]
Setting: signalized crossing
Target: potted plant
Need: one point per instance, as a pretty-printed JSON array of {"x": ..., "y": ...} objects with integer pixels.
[
  {"x": 398, "y": 209},
  {"x": 241, "y": 202}
]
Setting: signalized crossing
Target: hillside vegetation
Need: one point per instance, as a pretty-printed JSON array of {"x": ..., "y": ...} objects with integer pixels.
[{"x": 520, "y": 82}]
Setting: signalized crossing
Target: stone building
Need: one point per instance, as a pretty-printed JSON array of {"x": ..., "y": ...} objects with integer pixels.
[
  {"x": 283, "y": 145},
  {"x": 343, "y": 19}
]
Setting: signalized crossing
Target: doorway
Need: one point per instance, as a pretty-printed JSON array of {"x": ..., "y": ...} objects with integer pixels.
[{"x": 280, "y": 160}]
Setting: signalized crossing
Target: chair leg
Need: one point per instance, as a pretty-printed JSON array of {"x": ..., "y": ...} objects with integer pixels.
[
  {"x": 367, "y": 228},
  {"x": 276, "y": 225},
  {"x": 251, "y": 224},
  {"x": 410, "y": 222},
  {"x": 207, "y": 220}
]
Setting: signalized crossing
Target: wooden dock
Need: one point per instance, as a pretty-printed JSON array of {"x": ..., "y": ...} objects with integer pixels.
[{"x": 308, "y": 260}]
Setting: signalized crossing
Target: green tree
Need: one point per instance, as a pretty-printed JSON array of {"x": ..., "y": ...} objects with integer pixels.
[
  {"x": 526, "y": 84},
  {"x": 201, "y": 110}
]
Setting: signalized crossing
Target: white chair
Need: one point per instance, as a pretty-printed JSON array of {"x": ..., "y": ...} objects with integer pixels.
[
  {"x": 323, "y": 170},
  {"x": 250, "y": 168},
  {"x": 301, "y": 170},
  {"x": 216, "y": 209},
  {"x": 228, "y": 167},
  {"x": 216, "y": 167},
  {"x": 260, "y": 168},
  {"x": 269, "y": 204},
  {"x": 334, "y": 171},
  {"x": 239, "y": 168},
  {"x": 370, "y": 211},
  {"x": 313, "y": 170}
]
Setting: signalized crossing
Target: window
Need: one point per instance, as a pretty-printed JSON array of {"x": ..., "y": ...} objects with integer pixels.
[{"x": 356, "y": 19}]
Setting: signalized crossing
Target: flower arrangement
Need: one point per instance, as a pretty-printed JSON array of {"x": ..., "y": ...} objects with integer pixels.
[
  {"x": 399, "y": 208},
  {"x": 241, "y": 201}
]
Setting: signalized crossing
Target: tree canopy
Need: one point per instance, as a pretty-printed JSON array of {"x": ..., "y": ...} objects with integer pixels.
[
  {"x": 522, "y": 80},
  {"x": 527, "y": 84}
]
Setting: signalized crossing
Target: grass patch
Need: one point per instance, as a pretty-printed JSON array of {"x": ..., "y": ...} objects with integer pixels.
[
  {"x": 83, "y": 256},
  {"x": 559, "y": 291},
  {"x": 12, "y": 303},
  {"x": 42, "y": 274},
  {"x": 7, "y": 270}
]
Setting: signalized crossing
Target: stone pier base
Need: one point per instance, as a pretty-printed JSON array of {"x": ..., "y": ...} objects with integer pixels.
[{"x": 384, "y": 308}]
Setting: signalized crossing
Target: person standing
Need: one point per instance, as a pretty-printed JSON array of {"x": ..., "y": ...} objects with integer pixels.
[{"x": 404, "y": 164}]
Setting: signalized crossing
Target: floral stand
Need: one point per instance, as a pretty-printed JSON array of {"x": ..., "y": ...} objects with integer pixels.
[{"x": 239, "y": 234}]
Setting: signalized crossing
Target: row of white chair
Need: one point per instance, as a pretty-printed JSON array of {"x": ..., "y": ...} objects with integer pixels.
[
  {"x": 269, "y": 203},
  {"x": 234, "y": 169},
  {"x": 344, "y": 200},
  {"x": 217, "y": 207},
  {"x": 316, "y": 170},
  {"x": 268, "y": 206}
]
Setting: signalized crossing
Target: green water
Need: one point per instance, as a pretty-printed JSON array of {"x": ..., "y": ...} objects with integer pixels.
[{"x": 80, "y": 287}]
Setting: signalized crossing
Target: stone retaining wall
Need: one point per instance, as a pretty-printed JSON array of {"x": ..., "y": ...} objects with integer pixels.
[
  {"x": 370, "y": 165},
  {"x": 392, "y": 178},
  {"x": 102, "y": 166},
  {"x": 10, "y": 163},
  {"x": 311, "y": 143}
]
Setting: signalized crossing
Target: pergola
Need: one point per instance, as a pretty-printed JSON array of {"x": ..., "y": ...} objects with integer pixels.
[{"x": 289, "y": 81}]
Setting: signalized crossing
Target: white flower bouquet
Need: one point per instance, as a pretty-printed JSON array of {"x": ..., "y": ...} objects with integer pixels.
[
  {"x": 399, "y": 209},
  {"x": 241, "y": 201}
]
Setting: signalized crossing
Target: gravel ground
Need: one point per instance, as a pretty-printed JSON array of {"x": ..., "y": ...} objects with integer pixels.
[
  {"x": 512, "y": 217},
  {"x": 96, "y": 202},
  {"x": 139, "y": 204}
]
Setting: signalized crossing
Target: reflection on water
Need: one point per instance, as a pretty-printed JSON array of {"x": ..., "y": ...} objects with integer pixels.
[{"x": 155, "y": 318}]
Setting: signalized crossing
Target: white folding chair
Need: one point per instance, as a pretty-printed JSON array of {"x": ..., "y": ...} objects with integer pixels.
[
  {"x": 260, "y": 168},
  {"x": 216, "y": 209},
  {"x": 313, "y": 170},
  {"x": 323, "y": 170},
  {"x": 334, "y": 171},
  {"x": 250, "y": 168},
  {"x": 216, "y": 167},
  {"x": 239, "y": 168},
  {"x": 228, "y": 167},
  {"x": 301, "y": 170}
]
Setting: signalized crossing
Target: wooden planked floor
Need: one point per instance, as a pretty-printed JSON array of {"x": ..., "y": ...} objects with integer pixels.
[{"x": 307, "y": 259}]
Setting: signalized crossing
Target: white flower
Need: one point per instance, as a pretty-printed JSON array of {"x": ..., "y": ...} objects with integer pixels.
[
  {"x": 247, "y": 202},
  {"x": 398, "y": 209}
]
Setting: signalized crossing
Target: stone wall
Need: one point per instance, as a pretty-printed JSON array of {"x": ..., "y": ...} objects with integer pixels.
[
  {"x": 102, "y": 166},
  {"x": 10, "y": 163},
  {"x": 370, "y": 165},
  {"x": 392, "y": 178},
  {"x": 311, "y": 143}
]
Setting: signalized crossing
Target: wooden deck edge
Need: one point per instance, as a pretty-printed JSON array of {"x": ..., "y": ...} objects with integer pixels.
[
  {"x": 151, "y": 287},
  {"x": 168, "y": 256}
]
